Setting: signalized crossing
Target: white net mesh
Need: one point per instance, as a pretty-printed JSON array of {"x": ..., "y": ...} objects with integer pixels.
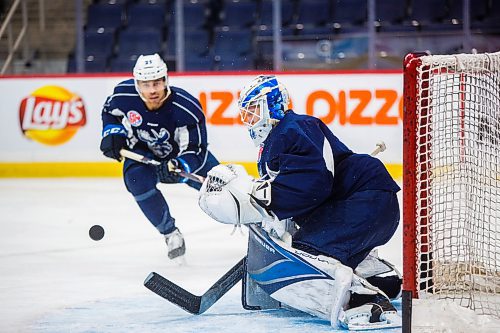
[{"x": 458, "y": 180}]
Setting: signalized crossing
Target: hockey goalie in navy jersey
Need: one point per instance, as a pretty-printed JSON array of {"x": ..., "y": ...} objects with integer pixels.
[
  {"x": 322, "y": 205},
  {"x": 148, "y": 116}
]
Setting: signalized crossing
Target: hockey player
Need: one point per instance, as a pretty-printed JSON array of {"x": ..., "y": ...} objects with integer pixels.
[
  {"x": 343, "y": 203},
  {"x": 147, "y": 115}
]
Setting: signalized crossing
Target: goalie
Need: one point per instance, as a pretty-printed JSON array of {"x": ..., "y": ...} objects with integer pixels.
[{"x": 343, "y": 205}]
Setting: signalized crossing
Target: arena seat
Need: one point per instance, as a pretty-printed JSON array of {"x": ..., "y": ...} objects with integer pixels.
[
  {"x": 105, "y": 16},
  {"x": 143, "y": 15},
  {"x": 137, "y": 41}
]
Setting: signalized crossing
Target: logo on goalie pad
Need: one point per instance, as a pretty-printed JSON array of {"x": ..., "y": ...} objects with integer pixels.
[{"x": 273, "y": 267}]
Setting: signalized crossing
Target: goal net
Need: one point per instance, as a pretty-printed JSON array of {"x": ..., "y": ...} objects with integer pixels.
[{"x": 451, "y": 158}]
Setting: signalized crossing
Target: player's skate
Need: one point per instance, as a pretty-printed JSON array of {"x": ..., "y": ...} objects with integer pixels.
[
  {"x": 373, "y": 315},
  {"x": 175, "y": 244}
]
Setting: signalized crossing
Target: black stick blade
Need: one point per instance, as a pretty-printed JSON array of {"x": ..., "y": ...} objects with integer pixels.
[
  {"x": 173, "y": 293},
  {"x": 188, "y": 301}
]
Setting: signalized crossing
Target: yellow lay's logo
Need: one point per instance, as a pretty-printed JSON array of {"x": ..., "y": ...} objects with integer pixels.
[{"x": 51, "y": 115}]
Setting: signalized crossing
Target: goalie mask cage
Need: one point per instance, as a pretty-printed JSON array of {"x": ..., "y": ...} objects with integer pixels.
[{"x": 451, "y": 198}]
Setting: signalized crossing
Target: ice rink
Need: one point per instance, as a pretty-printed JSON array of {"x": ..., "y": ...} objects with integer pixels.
[{"x": 54, "y": 278}]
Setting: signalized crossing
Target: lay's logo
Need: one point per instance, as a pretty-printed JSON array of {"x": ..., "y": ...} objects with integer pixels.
[{"x": 51, "y": 115}]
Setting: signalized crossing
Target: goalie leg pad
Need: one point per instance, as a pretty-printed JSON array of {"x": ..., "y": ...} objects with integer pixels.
[{"x": 317, "y": 285}]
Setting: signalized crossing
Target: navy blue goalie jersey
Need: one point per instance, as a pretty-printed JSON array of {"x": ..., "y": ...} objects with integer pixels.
[
  {"x": 308, "y": 165},
  {"x": 175, "y": 130}
]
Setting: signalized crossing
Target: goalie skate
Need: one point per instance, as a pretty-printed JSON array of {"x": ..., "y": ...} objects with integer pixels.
[
  {"x": 175, "y": 244},
  {"x": 370, "y": 316}
]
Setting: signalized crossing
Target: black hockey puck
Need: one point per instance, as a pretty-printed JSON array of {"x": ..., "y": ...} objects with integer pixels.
[{"x": 96, "y": 232}]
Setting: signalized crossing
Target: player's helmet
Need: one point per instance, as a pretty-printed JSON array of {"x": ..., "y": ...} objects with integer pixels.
[
  {"x": 150, "y": 67},
  {"x": 262, "y": 104}
]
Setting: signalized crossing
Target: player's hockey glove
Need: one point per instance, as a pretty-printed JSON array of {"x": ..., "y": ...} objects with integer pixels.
[
  {"x": 113, "y": 140},
  {"x": 168, "y": 171}
]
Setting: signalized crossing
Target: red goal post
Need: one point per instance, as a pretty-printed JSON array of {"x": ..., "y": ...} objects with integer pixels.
[{"x": 451, "y": 179}]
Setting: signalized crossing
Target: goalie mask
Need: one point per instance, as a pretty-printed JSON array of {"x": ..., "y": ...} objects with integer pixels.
[
  {"x": 262, "y": 104},
  {"x": 149, "y": 68}
]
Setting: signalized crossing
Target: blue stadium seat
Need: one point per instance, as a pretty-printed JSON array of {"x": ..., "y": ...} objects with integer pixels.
[
  {"x": 428, "y": 11},
  {"x": 288, "y": 9},
  {"x": 105, "y": 16},
  {"x": 264, "y": 45},
  {"x": 99, "y": 44},
  {"x": 232, "y": 43},
  {"x": 490, "y": 24},
  {"x": 136, "y": 42},
  {"x": 352, "y": 12},
  {"x": 124, "y": 64},
  {"x": 93, "y": 64},
  {"x": 238, "y": 14},
  {"x": 196, "y": 42},
  {"x": 194, "y": 62},
  {"x": 195, "y": 15},
  {"x": 313, "y": 12},
  {"x": 390, "y": 11},
  {"x": 455, "y": 11},
  {"x": 478, "y": 10},
  {"x": 245, "y": 63},
  {"x": 143, "y": 15},
  {"x": 494, "y": 13}
]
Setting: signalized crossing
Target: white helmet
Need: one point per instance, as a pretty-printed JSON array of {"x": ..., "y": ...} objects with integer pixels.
[
  {"x": 150, "y": 67},
  {"x": 262, "y": 104}
]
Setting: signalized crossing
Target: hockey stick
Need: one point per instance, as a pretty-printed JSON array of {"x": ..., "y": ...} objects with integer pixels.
[
  {"x": 192, "y": 303},
  {"x": 146, "y": 160},
  {"x": 138, "y": 157}
]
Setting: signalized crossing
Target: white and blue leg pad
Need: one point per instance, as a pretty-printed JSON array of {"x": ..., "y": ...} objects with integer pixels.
[{"x": 317, "y": 285}]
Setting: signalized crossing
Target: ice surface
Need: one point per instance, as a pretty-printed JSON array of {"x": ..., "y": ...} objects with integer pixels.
[{"x": 54, "y": 278}]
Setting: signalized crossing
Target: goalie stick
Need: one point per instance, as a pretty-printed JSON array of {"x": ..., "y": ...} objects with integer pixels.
[
  {"x": 192, "y": 303},
  {"x": 146, "y": 160}
]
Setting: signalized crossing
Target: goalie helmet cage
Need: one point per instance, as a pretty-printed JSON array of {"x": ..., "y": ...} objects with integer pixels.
[{"x": 451, "y": 179}]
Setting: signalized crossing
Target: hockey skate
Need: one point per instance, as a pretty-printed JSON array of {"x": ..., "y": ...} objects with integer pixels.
[
  {"x": 175, "y": 244},
  {"x": 370, "y": 316}
]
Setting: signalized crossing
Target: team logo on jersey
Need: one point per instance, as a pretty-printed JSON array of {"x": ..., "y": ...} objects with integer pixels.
[
  {"x": 51, "y": 115},
  {"x": 134, "y": 118}
]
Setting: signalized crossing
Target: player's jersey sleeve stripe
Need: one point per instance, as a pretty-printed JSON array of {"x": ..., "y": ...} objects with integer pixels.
[
  {"x": 202, "y": 164},
  {"x": 187, "y": 110},
  {"x": 192, "y": 101}
]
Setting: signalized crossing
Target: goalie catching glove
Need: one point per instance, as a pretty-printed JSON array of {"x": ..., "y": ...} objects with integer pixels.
[{"x": 229, "y": 195}]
